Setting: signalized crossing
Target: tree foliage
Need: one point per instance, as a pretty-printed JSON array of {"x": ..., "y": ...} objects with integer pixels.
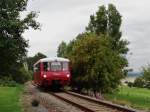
[
  {"x": 139, "y": 82},
  {"x": 108, "y": 22},
  {"x": 144, "y": 80},
  {"x": 146, "y": 76},
  {"x": 98, "y": 55},
  {"x": 95, "y": 63},
  {"x": 62, "y": 49},
  {"x": 146, "y": 73},
  {"x": 12, "y": 44}
]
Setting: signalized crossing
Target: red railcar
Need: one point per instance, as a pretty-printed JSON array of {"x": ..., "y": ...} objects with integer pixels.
[{"x": 52, "y": 72}]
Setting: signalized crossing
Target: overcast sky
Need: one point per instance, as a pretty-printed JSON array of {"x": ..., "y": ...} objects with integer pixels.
[{"x": 63, "y": 20}]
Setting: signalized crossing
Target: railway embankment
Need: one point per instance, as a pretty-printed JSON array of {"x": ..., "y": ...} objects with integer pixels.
[{"x": 37, "y": 100}]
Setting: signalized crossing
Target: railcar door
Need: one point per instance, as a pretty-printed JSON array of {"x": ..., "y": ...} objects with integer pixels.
[{"x": 37, "y": 73}]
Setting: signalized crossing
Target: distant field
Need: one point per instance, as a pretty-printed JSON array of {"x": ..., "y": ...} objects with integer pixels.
[
  {"x": 135, "y": 97},
  {"x": 10, "y": 99}
]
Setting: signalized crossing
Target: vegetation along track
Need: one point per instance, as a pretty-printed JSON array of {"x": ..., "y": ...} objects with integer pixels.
[{"x": 88, "y": 104}]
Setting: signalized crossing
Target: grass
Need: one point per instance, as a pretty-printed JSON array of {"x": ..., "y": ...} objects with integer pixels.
[
  {"x": 10, "y": 99},
  {"x": 134, "y": 97}
]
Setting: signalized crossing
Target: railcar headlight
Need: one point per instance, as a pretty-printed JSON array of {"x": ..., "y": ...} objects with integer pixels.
[
  {"x": 44, "y": 76},
  {"x": 68, "y": 75}
]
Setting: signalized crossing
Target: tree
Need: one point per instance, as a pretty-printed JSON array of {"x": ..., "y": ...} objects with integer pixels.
[
  {"x": 146, "y": 73},
  {"x": 144, "y": 80},
  {"x": 146, "y": 76},
  {"x": 34, "y": 59},
  {"x": 139, "y": 82},
  {"x": 95, "y": 63},
  {"x": 98, "y": 23},
  {"x": 61, "y": 52},
  {"x": 12, "y": 44},
  {"x": 108, "y": 22},
  {"x": 98, "y": 55}
]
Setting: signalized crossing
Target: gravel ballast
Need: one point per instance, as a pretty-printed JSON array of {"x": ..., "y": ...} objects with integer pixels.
[{"x": 46, "y": 102}]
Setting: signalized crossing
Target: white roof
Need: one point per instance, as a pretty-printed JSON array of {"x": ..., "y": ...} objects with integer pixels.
[{"x": 53, "y": 59}]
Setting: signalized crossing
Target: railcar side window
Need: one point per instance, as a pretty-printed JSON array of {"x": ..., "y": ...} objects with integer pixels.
[
  {"x": 65, "y": 66},
  {"x": 37, "y": 67},
  {"x": 56, "y": 66}
]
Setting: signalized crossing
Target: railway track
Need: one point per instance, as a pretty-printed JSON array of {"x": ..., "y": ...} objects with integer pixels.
[{"x": 89, "y": 104}]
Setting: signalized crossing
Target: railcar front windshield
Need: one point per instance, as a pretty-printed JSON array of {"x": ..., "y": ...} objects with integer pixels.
[
  {"x": 65, "y": 66},
  {"x": 56, "y": 66}
]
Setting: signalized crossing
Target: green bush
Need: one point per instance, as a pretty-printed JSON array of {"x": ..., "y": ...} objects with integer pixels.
[
  {"x": 139, "y": 82},
  {"x": 130, "y": 84},
  {"x": 7, "y": 81},
  {"x": 146, "y": 76},
  {"x": 31, "y": 74},
  {"x": 147, "y": 85},
  {"x": 18, "y": 75},
  {"x": 22, "y": 76}
]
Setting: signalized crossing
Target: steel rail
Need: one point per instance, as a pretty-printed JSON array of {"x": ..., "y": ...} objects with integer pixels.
[
  {"x": 103, "y": 104},
  {"x": 73, "y": 103}
]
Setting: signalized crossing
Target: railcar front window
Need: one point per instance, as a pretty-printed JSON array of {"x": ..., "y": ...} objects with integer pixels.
[
  {"x": 55, "y": 66},
  {"x": 45, "y": 65},
  {"x": 65, "y": 66}
]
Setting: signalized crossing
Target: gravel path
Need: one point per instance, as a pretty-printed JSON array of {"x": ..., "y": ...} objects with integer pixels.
[{"x": 47, "y": 102}]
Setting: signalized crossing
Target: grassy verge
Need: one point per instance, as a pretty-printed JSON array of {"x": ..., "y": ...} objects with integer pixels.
[
  {"x": 10, "y": 99},
  {"x": 134, "y": 97}
]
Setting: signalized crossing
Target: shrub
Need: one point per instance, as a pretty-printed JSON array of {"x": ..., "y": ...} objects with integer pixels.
[
  {"x": 130, "y": 84},
  {"x": 147, "y": 85},
  {"x": 7, "y": 81},
  {"x": 31, "y": 74},
  {"x": 139, "y": 82},
  {"x": 18, "y": 75},
  {"x": 146, "y": 76},
  {"x": 21, "y": 76}
]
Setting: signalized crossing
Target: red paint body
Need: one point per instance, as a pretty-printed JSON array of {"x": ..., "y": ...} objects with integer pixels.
[{"x": 49, "y": 77}]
